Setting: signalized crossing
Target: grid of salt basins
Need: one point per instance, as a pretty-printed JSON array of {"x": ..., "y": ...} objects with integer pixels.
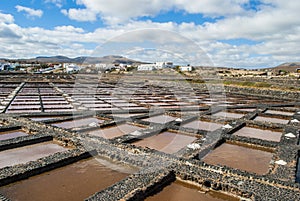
[{"x": 62, "y": 141}]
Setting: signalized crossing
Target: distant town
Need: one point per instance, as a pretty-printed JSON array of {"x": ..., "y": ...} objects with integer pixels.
[{"x": 118, "y": 64}]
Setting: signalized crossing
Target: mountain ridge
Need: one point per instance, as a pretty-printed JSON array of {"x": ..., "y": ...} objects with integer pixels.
[
  {"x": 288, "y": 66},
  {"x": 78, "y": 60}
]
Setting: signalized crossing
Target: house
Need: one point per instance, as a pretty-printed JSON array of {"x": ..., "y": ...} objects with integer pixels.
[
  {"x": 155, "y": 66},
  {"x": 185, "y": 68},
  {"x": 146, "y": 67},
  {"x": 160, "y": 65},
  {"x": 122, "y": 66},
  {"x": 71, "y": 68},
  {"x": 57, "y": 66},
  {"x": 47, "y": 70},
  {"x": 104, "y": 66},
  {"x": 270, "y": 73},
  {"x": 101, "y": 66}
]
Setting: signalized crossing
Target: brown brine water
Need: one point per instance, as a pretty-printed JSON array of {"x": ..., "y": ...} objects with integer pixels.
[
  {"x": 240, "y": 157},
  {"x": 28, "y": 153},
  {"x": 259, "y": 133},
  {"x": 167, "y": 142},
  {"x": 78, "y": 123},
  {"x": 11, "y": 134},
  {"x": 203, "y": 125},
  {"x": 115, "y": 131},
  {"x": 228, "y": 115},
  {"x": 72, "y": 182},
  {"x": 179, "y": 191},
  {"x": 279, "y": 112},
  {"x": 271, "y": 120},
  {"x": 160, "y": 119}
]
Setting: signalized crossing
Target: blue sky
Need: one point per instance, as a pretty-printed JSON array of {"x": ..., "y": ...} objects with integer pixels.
[
  {"x": 51, "y": 17},
  {"x": 237, "y": 33}
]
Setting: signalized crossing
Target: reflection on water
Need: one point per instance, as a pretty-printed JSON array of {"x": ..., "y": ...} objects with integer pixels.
[
  {"x": 247, "y": 109},
  {"x": 115, "y": 131},
  {"x": 78, "y": 123},
  {"x": 203, "y": 125},
  {"x": 259, "y": 133},
  {"x": 43, "y": 118},
  {"x": 73, "y": 182},
  {"x": 160, "y": 119},
  {"x": 12, "y": 134},
  {"x": 271, "y": 120},
  {"x": 228, "y": 115},
  {"x": 28, "y": 153},
  {"x": 126, "y": 115},
  {"x": 179, "y": 191},
  {"x": 279, "y": 112},
  {"x": 240, "y": 157},
  {"x": 167, "y": 142}
]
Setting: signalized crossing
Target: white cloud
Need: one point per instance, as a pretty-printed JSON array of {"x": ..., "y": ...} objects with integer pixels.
[
  {"x": 68, "y": 40},
  {"x": 119, "y": 11},
  {"x": 212, "y": 7},
  {"x": 274, "y": 28},
  {"x": 80, "y": 15},
  {"x": 29, "y": 11},
  {"x": 6, "y": 18},
  {"x": 276, "y": 20},
  {"x": 68, "y": 29},
  {"x": 9, "y": 32},
  {"x": 58, "y": 3}
]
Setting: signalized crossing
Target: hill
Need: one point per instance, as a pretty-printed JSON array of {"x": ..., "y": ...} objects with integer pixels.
[
  {"x": 78, "y": 60},
  {"x": 289, "y": 67}
]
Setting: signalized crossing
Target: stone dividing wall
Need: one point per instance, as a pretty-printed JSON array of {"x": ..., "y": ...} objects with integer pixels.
[
  {"x": 144, "y": 163},
  {"x": 137, "y": 186},
  {"x": 23, "y": 141},
  {"x": 276, "y": 94},
  {"x": 12, "y": 174},
  {"x": 259, "y": 92},
  {"x": 244, "y": 184},
  {"x": 274, "y": 81},
  {"x": 208, "y": 176},
  {"x": 108, "y": 150},
  {"x": 258, "y": 185},
  {"x": 278, "y": 184}
]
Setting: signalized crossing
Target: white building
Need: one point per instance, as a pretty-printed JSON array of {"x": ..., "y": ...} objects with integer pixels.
[
  {"x": 104, "y": 66},
  {"x": 185, "y": 68},
  {"x": 47, "y": 70},
  {"x": 29, "y": 65},
  {"x": 155, "y": 66},
  {"x": 100, "y": 66},
  {"x": 122, "y": 65},
  {"x": 57, "y": 66},
  {"x": 71, "y": 68},
  {"x": 160, "y": 65},
  {"x": 146, "y": 67}
]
